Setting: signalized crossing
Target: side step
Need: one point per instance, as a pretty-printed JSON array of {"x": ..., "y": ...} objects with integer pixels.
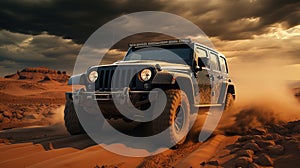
[
  {"x": 208, "y": 105},
  {"x": 205, "y": 108}
]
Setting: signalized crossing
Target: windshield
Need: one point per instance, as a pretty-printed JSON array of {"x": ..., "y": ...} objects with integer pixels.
[{"x": 173, "y": 54}]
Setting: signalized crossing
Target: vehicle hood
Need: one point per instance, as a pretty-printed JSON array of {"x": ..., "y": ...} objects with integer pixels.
[{"x": 164, "y": 66}]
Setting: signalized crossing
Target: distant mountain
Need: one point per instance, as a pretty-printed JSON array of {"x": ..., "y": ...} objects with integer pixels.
[{"x": 40, "y": 74}]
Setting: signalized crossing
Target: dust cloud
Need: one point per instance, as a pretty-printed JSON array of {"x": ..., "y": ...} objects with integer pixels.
[
  {"x": 263, "y": 95},
  {"x": 58, "y": 117}
]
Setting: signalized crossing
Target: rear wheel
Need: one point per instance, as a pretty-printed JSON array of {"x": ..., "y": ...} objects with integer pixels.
[
  {"x": 228, "y": 102},
  {"x": 175, "y": 118}
]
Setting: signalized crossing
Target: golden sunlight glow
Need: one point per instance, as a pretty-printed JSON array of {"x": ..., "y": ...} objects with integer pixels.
[{"x": 279, "y": 32}]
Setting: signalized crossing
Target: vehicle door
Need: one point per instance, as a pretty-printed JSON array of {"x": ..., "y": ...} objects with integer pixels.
[
  {"x": 203, "y": 79},
  {"x": 224, "y": 77},
  {"x": 215, "y": 77}
]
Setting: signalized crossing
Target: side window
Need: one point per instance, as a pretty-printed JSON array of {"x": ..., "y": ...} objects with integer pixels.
[
  {"x": 202, "y": 57},
  {"x": 214, "y": 63},
  {"x": 223, "y": 65}
]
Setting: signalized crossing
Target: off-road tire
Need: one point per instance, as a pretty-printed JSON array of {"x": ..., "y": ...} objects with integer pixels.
[
  {"x": 71, "y": 120},
  {"x": 228, "y": 102},
  {"x": 175, "y": 99}
]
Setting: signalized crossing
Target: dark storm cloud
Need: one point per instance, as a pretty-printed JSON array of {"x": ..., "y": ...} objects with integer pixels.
[
  {"x": 21, "y": 50},
  {"x": 74, "y": 19},
  {"x": 238, "y": 19},
  {"x": 228, "y": 19}
]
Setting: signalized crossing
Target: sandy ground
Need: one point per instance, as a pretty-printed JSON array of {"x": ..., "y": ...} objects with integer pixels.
[
  {"x": 51, "y": 146},
  {"x": 245, "y": 137},
  {"x": 30, "y": 102}
]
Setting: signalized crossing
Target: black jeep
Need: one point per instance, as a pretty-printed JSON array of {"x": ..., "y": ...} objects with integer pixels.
[{"x": 190, "y": 75}]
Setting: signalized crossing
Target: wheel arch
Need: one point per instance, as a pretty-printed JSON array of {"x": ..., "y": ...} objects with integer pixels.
[
  {"x": 176, "y": 81},
  {"x": 231, "y": 89}
]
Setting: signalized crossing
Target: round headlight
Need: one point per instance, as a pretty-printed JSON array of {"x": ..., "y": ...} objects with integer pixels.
[
  {"x": 145, "y": 74},
  {"x": 93, "y": 76}
]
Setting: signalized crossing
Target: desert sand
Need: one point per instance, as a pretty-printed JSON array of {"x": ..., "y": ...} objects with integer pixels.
[
  {"x": 51, "y": 146},
  {"x": 31, "y": 96},
  {"x": 33, "y": 135}
]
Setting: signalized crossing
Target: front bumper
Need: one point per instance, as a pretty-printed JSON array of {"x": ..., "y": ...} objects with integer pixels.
[{"x": 106, "y": 101}]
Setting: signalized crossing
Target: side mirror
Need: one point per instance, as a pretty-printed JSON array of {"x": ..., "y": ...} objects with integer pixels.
[{"x": 198, "y": 68}]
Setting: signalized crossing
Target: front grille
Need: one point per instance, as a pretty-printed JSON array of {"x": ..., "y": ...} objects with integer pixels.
[{"x": 122, "y": 78}]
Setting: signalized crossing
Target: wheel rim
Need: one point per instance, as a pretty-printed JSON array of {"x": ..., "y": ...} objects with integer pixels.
[{"x": 179, "y": 119}]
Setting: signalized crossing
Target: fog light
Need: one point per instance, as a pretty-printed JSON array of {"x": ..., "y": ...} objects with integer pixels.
[{"x": 147, "y": 86}]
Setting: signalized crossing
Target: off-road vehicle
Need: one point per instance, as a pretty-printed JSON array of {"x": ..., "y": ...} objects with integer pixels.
[{"x": 190, "y": 74}]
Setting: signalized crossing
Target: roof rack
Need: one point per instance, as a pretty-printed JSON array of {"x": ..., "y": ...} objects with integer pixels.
[{"x": 158, "y": 43}]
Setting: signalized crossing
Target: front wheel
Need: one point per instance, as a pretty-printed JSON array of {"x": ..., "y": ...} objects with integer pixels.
[
  {"x": 71, "y": 120},
  {"x": 174, "y": 118},
  {"x": 72, "y": 123}
]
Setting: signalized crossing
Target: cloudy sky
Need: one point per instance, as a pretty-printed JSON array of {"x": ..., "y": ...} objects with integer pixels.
[{"x": 51, "y": 32}]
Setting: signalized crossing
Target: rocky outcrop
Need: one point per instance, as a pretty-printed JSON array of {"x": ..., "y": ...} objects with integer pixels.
[{"x": 40, "y": 74}]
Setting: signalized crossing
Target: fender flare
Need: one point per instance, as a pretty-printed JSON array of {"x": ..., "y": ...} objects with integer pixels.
[
  {"x": 77, "y": 79},
  {"x": 227, "y": 87},
  {"x": 177, "y": 79}
]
